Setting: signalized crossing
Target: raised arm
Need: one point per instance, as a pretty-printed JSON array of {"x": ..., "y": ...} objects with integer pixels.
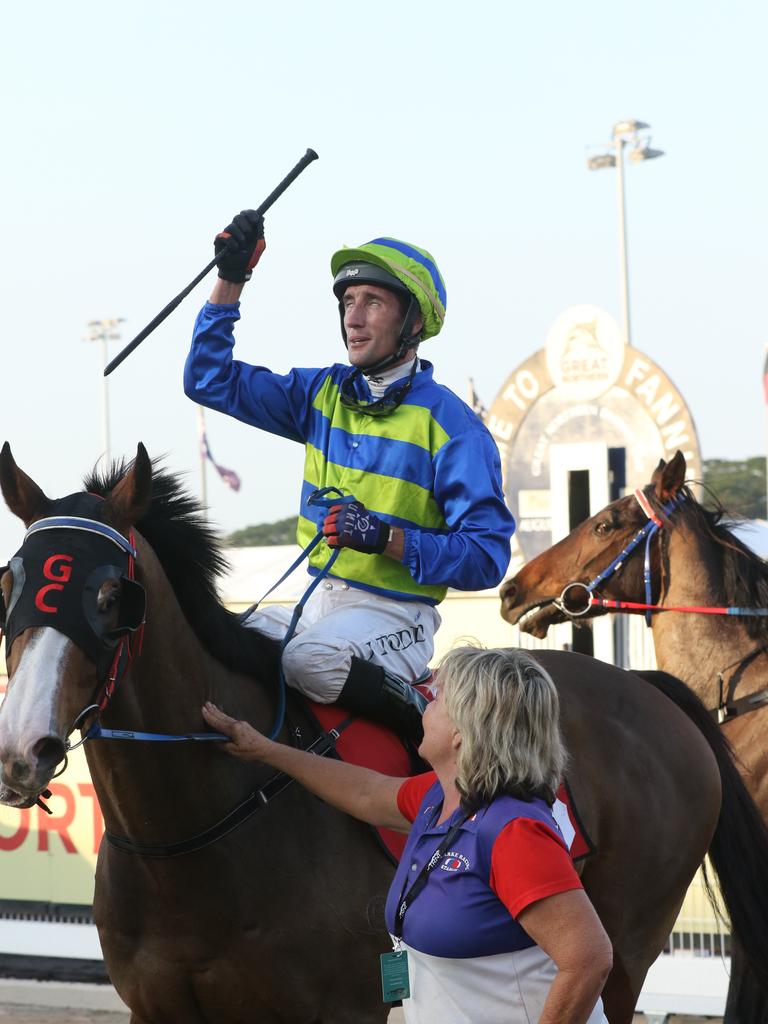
[{"x": 360, "y": 792}]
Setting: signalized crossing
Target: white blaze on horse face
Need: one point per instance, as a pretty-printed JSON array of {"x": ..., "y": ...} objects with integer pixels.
[{"x": 29, "y": 709}]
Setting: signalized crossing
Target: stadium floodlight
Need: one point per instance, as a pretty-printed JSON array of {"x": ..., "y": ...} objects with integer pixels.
[{"x": 625, "y": 134}]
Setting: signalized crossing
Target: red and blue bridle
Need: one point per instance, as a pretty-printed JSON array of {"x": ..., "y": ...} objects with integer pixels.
[
  {"x": 647, "y": 533},
  {"x": 127, "y": 639},
  {"x": 654, "y": 524},
  {"x": 112, "y": 651}
]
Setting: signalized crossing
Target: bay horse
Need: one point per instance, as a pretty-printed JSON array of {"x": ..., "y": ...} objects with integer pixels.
[
  {"x": 205, "y": 916},
  {"x": 697, "y": 564}
]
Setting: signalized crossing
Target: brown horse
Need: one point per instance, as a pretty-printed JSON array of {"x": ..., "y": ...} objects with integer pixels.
[
  {"x": 695, "y": 562},
  {"x": 206, "y": 915}
]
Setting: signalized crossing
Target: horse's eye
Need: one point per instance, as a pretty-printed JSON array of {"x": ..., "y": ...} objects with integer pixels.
[
  {"x": 603, "y": 527},
  {"x": 109, "y": 594}
]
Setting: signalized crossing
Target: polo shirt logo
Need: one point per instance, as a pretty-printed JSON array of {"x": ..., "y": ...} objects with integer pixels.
[{"x": 454, "y": 861}]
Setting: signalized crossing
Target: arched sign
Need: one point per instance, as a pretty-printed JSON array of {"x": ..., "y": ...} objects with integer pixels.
[{"x": 584, "y": 386}]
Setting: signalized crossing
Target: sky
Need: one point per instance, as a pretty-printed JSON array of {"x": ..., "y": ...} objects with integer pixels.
[{"x": 132, "y": 133}]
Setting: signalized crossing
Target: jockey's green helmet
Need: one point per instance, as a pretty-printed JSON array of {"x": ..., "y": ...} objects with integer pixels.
[{"x": 399, "y": 266}]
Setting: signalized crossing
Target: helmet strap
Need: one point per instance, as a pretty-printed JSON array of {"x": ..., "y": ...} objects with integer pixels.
[{"x": 382, "y": 406}]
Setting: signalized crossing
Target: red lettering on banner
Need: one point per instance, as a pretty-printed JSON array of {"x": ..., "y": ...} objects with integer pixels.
[
  {"x": 87, "y": 789},
  {"x": 64, "y": 573},
  {"x": 57, "y": 822},
  {"x": 13, "y": 842},
  {"x": 75, "y": 805}
]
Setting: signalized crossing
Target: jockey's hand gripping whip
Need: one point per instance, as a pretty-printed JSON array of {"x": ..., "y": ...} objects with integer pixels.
[{"x": 307, "y": 159}]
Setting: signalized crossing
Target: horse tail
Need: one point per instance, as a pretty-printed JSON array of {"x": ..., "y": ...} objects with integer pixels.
[{"x": 738, "y": 852}]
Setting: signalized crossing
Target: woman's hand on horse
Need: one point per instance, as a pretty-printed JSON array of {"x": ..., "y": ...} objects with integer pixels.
[
  {"x": 245, "y": 742},
  {"x": 361, "y": 792}
]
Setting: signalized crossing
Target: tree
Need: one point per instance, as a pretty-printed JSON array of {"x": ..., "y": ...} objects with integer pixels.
[
  {"x": 265, "y": 534},
  {"x": 739, "y": 485}
]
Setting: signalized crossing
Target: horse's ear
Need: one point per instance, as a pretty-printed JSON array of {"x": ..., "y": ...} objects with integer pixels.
[
  {"x": 669, "y": 477},
  {"x": 658, "y": 473},
  {"x": 131, "y": 497},
  {"x": 22, "y": 495}
]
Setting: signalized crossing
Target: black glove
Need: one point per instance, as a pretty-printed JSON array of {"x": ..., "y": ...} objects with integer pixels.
[{"x": 243, "y": 242}]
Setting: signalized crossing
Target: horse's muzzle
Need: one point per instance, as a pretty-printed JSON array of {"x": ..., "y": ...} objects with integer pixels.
[{"x": 23, "y": 776}]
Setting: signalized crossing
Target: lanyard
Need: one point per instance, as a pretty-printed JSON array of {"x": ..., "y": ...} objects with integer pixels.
[{"x": 407, "y": 898}]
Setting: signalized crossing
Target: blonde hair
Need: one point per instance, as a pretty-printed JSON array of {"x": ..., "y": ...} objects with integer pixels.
[{"x": 506, "y": 709}]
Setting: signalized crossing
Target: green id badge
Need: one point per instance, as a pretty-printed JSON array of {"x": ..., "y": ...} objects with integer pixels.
[{"x": 394, "y": 976}]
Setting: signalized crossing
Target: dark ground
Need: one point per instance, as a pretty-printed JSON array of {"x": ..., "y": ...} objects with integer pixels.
[{"x": 65, "y": 1015}]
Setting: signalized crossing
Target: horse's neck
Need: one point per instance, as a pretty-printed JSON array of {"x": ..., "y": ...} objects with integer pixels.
[
  {"x": 695, "y": 646},
  {"x": 141, "y": 783}
]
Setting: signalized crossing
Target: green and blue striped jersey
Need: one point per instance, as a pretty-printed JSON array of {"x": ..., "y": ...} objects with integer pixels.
[{"x": 430, "y": 466}]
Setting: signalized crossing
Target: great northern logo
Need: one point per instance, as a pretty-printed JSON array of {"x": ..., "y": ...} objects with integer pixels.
[
  {"x": 585, "y": 352},
  {"x": 353, "y": 272},
  {"x": 585, "y": 357}
]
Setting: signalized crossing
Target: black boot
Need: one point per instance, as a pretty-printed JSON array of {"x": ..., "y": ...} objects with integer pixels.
[{"x": 372, "y": 692}]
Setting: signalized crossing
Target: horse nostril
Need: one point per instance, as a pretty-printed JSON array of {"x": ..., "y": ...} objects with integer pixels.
[
  {"x": 19, "y": 771},
  {"x": 49, "y": 751},
  {"x": 508, "y": 592}
]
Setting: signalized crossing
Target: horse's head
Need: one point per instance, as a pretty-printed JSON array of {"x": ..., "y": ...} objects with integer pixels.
[
  {"x": 66, "y": 599},
  {"x": 528, "y": 599}
]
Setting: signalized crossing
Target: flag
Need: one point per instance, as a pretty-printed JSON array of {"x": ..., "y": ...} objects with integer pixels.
[
  {"x": 229, "y": 476},
  {"x": 475, "y": 402}
]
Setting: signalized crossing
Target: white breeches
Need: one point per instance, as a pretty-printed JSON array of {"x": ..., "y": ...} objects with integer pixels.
[{"x": 340, "y": 622}]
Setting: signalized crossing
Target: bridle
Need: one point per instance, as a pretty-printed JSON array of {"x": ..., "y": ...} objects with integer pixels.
[
  {"x": 654, "y": 524},
  {"x": 113, "y": 651},
  {"x": 729, "y": 706},
  {"x": 124, "y": 644},
  {"x": 647, "y": 533}
]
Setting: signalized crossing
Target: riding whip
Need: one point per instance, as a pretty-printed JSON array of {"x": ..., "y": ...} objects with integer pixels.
[{"x": 307, "y": 159}]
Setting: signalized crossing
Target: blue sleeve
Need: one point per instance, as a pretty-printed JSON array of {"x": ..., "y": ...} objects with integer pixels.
[
  {"x": 280, "y": 404},
  {"x": 473, "y": 554}
]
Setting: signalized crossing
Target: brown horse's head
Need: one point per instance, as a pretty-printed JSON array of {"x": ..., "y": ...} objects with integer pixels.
[
  {"x": 53, "y": 594},
  {"x": 527, "y": 600}
]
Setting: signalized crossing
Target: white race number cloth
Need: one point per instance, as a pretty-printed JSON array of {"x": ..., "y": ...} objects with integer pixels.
[{"x": 340, "y": 622}]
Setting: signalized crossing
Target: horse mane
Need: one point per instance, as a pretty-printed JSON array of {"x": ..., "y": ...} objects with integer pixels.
[
  {"x": 744, "y": 573},
  {"x": 189, "y": 551}
]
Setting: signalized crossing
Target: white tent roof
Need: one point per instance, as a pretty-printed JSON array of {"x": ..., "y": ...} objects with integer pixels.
[{"x": 254, "y": 570}]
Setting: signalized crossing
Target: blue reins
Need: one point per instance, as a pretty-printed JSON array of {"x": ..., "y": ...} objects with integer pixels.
[{"x": 318, "y": 498}]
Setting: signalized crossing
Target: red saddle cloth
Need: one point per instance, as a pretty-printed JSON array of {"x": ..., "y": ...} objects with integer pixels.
[{"x": 370, "y": 745}]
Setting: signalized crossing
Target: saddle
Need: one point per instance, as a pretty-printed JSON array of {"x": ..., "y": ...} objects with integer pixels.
[{"x": 362, "y": 742}]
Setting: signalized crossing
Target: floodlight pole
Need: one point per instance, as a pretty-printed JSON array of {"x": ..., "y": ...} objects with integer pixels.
[
  {"x": 104, "y": 331},
  {"x": 623, "y": 252},
  {"x": 624, "y": 132}
]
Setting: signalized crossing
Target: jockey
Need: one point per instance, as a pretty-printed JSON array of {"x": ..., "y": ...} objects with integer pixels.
[{"x": 429, "y": 511}]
